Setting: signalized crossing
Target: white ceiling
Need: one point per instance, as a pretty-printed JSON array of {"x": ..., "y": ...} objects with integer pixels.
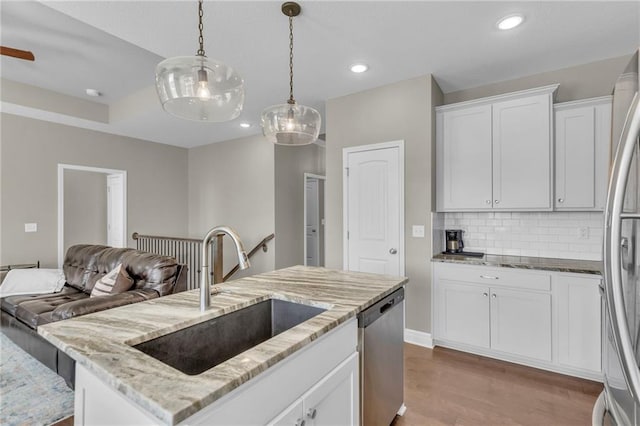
[{"x": 113, "y": 46}]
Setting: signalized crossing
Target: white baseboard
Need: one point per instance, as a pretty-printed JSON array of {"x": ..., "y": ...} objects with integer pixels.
[{"x": 419, "y": 338}]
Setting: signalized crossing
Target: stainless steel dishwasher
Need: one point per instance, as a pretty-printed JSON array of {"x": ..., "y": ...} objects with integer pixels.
[{"x": 381, "y": 336}]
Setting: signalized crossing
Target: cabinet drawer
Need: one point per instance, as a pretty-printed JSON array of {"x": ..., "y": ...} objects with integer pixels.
[{"x": 517, "y": 278}]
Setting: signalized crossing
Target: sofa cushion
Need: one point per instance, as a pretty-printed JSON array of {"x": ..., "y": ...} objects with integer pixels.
[
  {"x": 80, "y": 263},
  {"x": 10, "y": 304},
  {"x": 33, "y": 312},
  {"x": 116, "y": 281}
]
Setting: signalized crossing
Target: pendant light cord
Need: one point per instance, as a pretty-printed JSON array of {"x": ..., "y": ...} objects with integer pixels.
[
  {"x": 200, "y": 51},
  {"x": 291, "y": 100}
]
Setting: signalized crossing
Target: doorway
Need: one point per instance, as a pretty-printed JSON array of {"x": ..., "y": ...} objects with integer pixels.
[
  {"x": 92, "y": 206},
  {"x": 373, "y": 208},
  {"x": 313, "y": 219}
]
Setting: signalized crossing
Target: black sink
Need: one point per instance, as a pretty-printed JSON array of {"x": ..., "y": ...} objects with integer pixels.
[{"x": 200, "y": 347}]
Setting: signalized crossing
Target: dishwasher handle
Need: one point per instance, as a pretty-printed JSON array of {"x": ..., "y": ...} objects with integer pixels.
[
  {"x": 380, "y": 308},
  {"x": 387, "y": 306}
]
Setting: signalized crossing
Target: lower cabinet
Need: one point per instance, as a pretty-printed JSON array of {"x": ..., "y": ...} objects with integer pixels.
[
  {"x": 317, "y": 385},
  {"x": 332, "y": 401},
  {"x": 544, "y": 319},
  {"x": 521, "y": 323}
]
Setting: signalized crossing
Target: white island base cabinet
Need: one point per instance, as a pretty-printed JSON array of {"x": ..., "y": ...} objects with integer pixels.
[
  {"x": 317, "y": 385},
  {"x": 543, "y": 319}
]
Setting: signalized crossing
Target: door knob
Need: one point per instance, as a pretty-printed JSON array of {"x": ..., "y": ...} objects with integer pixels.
[{"x": 393, "y": 251}]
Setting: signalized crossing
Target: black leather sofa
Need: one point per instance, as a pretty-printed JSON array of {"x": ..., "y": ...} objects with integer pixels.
[{"x": 153, "y": 275}]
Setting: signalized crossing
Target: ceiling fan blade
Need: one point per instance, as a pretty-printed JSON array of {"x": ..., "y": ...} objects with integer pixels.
[{"x": 17, "y": 53}]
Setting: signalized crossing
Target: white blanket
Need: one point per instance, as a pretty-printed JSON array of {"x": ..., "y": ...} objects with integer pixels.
[{"x": 32, "y": 281}]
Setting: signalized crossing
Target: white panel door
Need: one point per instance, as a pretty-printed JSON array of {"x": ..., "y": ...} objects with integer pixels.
[
  {"x": 335, "y": 399},
  {"x": 374, "y": 222},
  {"x": 312, "y": 222},
  {"x": 521, "y": 323},
  {"x": 575, "y": 158},
  {"x": 579, "y": 322},
  {"x": 463, "y": 313},
  {"x": 115, "y": 211},
  {"x": 465, "y": 168},
  {"x": 522, "y": 153},
  {"x": 289, "y": 417}
]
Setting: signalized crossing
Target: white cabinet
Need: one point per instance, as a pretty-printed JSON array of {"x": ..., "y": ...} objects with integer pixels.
[
  {"x": 466, "y": 164},
  {"x": 332, "y": 401},
  {"x": 495, "y": 153},
  {"x": 522, "y": 153},
  {"x": 543, "y": 319},
  {"x": 493, "y": 309},
  {"x": 582, "y": 141},
  {"x": 322, "y": 376},
  {"x": 521, "y": 322},
  {"x": 463, "y": 312},
  {"x": 579, "y": 320}
]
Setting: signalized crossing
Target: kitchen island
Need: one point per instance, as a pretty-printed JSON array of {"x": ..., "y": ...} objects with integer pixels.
[{"x": 102, "y": 346}]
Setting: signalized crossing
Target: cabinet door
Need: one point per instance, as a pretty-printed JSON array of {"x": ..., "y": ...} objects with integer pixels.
[
  {"x": 335, "y": 399},
  {"x": 292, "y": 416},
  {"x": 464, "y": 168},
  {"x": 579, "y": 322},
  {"x": 575, "y": 158},
  {"x": 521, "y": 323},
  {"x": 522, "y": 153},
  {"x": 463, "y": 313}
]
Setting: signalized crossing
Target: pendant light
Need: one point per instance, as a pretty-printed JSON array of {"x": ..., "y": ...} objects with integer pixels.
[
  {"x": 198, "y": 88},
  {"x": 290, "y": 123}
]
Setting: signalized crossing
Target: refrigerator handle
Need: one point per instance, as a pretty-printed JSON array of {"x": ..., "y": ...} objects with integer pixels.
[{"x": 612, "y": 249}]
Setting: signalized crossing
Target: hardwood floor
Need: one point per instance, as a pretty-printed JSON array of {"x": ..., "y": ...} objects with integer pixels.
[{"x": 447, "y": 387}]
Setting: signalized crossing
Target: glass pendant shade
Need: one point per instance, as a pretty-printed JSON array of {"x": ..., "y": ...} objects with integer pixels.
[
  {"x": 291, "y": 124},
  {"x": 198, "y": 88}
]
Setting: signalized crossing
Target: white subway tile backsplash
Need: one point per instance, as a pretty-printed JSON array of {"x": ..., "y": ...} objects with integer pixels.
[{"x": 540, "y": 234}]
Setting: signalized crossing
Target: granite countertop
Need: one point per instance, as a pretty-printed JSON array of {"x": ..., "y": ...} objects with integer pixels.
[
  {"x": 102, "y": 341},
  {"x": 524, "y": 262}
]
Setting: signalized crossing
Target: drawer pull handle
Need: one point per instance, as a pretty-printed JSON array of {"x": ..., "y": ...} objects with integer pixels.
[{"x": 489, "y": 277}]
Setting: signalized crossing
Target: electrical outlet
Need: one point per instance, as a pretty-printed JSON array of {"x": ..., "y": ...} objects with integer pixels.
[
  {"x": 417, "y": 231},
  {"x": 583, "y": 233},
  {"x": 30, "y": 227}
]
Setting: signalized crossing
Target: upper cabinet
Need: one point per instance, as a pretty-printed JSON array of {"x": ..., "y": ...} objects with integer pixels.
[
  {"x": 582, "y": 140},
  {"x": 496, "y": 153}
]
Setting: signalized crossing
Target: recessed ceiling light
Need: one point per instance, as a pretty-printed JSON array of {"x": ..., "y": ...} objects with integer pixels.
[
  {"x": 509, "y": 22},
  {"x": 245, "y": 125},
  {"x": 93, "y": 92},
  {"x": 358, "y": 68}
]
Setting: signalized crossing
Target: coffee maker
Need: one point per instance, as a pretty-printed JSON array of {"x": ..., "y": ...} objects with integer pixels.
[{"x": 453, "y": 239}]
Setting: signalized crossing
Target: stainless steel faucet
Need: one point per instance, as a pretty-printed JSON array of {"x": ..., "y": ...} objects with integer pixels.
[{"x": 243, "y": 261}]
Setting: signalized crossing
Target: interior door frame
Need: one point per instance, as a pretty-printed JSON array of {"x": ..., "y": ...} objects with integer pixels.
[
  {"x": 61, "y": 168},
  {"x": 304, "y": 218},
  {"x": 345, "y": 196}
]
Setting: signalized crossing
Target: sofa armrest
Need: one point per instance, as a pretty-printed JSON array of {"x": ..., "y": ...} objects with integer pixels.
[{"x": 101, "y": 303}]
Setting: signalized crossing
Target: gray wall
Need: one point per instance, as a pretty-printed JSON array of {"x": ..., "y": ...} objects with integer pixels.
[
  {"x": 291, "y": 163},
  {"x": 232, "y": 183},
  {"x": 578, "y": 82},
  {"x": 398, "y": 111},
  {"x": 85, "y": 208},
  {"x": 31, "y": 151}
]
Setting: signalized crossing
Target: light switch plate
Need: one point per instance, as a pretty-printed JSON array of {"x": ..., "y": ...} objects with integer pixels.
[
  {"x": 417, "y": 231},
  {"x": 30, "y": 227}
]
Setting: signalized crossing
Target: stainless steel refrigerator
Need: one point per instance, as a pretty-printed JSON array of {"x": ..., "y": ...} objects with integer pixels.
[{"x": 619, "y": 403}]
